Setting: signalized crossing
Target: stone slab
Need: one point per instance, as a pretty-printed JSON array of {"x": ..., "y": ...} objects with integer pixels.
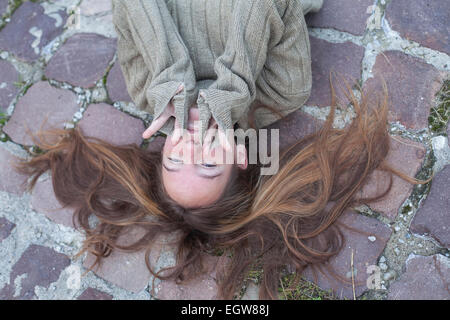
[
  {"x": 94, "y": 294},
  {"x": 42, "y": 105},
  {"x": 115, "y": 83},
  {"x": 6, "y": 228},
  {"x": 8, "y": 88},
  {"x": 10, "y": 180},
  {"x": 425, "y": 23},
  {"x": 111, "y": 125},
  {"x": 82, "y": 60},
  {"x": 343, "y": 60},
  {"x": 43, "y": 200},
  {"x": 30, "y": 29},
  {"x": 433, "y": 217},
  {"x": 425, "y": 278},
  {"x": 126, "y": 270},
  {"x": 365, "y": 254},
  {"x": 406, "y": 156},
  {"x": 410, "y": 96},
  {"x": 343, "y": 15},
  {"x": 38, "y": 266}
]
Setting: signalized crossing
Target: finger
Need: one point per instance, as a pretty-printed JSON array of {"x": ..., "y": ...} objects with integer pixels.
[
  {"x": 225, "y": 140},
  {"x": 155, "y": 126},
  {"x": 177, "y": 132},
  {"x": 210, "y": 133},
  {"x": 180, "y": 88}
]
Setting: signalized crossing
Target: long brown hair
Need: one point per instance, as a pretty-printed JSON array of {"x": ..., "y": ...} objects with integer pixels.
[{"x": 272, "y": 221}]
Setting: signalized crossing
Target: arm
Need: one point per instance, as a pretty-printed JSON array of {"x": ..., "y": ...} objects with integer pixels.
[
  {"x": 153, "y": 58},
  {"x": 256, "y": 26}
]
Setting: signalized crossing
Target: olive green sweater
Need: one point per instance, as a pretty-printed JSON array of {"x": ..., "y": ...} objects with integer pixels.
[{"x": 236, "y": 52}]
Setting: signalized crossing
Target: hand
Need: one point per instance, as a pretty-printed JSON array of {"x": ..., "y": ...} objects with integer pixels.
[
  {"x": 157, "y": 123},
  {"x": 212, "y": 130},
  {"x": 226, "y": 143}
]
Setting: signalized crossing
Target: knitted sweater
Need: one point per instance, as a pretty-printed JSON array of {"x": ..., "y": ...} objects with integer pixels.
[{"x": 237, "y": 53}]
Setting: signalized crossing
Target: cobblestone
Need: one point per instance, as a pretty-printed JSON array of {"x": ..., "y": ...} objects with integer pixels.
[
  {"x": 109, "y": 124},
  {"x": 425, "y": 278},
  {"x": 360, "y": 250},
  {"x": 82, "y": 60},
  {"x": 433, "y": 218},
  {"x": 115, "y": 83},
  {"x": 425, "y": 24},
  {"x": 411, "y": 102},
  {"x": 338, "y": 14},
  {"x": 42, "y": 105},
  {"x": 343, "y": 59},
  {"x": 30, "y": 30},
  {"x": 9, "y": 77},
  {"x": 406, "y": 156}
]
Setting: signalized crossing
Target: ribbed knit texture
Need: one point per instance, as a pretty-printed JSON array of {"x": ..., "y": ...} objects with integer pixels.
[{"x": 236, "y": 52}]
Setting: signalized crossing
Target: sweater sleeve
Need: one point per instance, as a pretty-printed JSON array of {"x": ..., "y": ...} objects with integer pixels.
[
  {"x": 153, "y": 58},
  {"x": 255, "y": 28}
]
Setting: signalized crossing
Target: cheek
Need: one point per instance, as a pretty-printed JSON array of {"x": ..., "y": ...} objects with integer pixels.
[
  {"x": 167, "y": 145},
  {"x": 170, "y": 148}
]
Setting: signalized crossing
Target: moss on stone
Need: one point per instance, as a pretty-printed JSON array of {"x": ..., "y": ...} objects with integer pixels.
[
  {"x": 292, "y": 289},
  {"x": 440, "y": 113}
]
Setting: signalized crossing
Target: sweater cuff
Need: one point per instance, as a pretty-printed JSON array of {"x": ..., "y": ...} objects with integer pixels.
[
  {"x": 215, "y": 105},
  {"x": 226, "y": 107},
  {"x": 161, "y": 95}
]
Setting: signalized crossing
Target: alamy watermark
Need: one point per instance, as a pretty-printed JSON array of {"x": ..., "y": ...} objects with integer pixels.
[
  {"x": 374, "y": 279},
  {"x": 218, "y": 153}
]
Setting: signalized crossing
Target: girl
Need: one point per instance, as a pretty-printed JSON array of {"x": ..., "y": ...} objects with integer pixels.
[
  {"x": 217, "y": 62},
  {"x": 220, "y": 56}
]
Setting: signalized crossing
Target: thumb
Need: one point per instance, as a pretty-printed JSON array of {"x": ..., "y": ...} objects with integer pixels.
[{"x": 156, "y": 125}]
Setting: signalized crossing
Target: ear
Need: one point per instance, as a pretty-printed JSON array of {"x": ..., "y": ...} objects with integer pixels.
[{"x": 241, "y": 156}]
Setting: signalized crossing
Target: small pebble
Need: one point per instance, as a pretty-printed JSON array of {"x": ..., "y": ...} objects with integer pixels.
[
  {"x": 389, "y": 275},
  {"x": 383, "y": 266},
  {"x": 397, "y": 251},
  {"x": 397, "y": 228},
  {"x": 401, "y": 240},
  {"x": 70, "y": 125},
  {"x": 372, "y": 238},
  {"x": 382, "y": 259}
]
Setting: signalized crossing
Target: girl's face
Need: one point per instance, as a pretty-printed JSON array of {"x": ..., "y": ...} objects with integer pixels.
[{"x": 193, "y": 175}]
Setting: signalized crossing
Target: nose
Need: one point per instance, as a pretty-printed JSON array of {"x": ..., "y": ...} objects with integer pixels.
[{"x": 192, "y": 152}]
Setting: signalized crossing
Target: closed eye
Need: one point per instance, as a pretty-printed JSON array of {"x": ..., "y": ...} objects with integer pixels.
[
  {"x": 207, "y": 165},
  {"x": 177, "y": 161}
]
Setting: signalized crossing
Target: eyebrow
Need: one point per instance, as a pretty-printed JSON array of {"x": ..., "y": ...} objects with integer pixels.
[{"x": 200, "y": 174}]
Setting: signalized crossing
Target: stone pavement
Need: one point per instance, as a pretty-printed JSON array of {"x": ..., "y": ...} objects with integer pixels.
[{"x": 58, "y": 63}]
